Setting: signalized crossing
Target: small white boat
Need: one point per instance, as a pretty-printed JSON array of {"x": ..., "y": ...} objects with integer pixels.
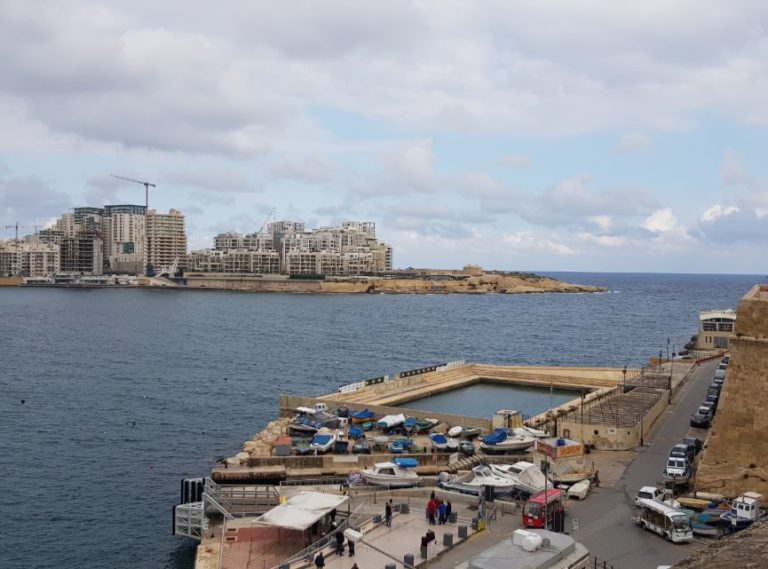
[
  {"x": 527, "y": 476},
  {"x": 322, "y": 442},
  {"x": 529, "y": 432},
  {"x": 474, "y": 481},
  {"x": 455, "y": 431},
  {"x": 579, "y": 490},
  {"x": 391, "y": 421},
  {"x": 390, "y": 474},
  {"x": 500, "y": 442}
]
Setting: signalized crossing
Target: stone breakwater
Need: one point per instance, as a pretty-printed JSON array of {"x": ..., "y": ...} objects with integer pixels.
[{"x": 476, "y": 284}]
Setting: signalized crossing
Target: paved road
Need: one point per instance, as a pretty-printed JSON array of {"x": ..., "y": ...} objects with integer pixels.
[{"x": 605, "y": 524}]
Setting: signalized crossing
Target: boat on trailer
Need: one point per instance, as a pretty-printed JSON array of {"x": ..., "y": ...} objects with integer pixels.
[{"x": 395, "y": 474}]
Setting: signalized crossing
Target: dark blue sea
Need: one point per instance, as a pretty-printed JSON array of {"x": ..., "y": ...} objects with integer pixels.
[{"x": 127, "y": 391}]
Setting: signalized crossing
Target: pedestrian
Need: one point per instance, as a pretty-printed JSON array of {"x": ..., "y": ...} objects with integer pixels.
[
  {"x": 448, "y": 510},
  {"x": 320, "y": 560},
  {"x": 388, "y": 514},
  {"x": 432, "y": 495},
  {"x": 332, "y": 515},
  {"x": 597, "y": 479},
  {"x": 354, "y": 566},
  {"x": 431, "y": 511},
  {"x": 351, "y": 546},
  {"x": 441, "y": 513},
  {"x": 340, "y": 543}
]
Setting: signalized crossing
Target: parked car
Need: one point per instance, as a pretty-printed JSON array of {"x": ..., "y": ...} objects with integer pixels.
[
  {"x": 682, "y": 450},
  {"x": 649, "y": 493},
  {"x": 726, "y": 360},
  {"x": 694, "y": 443},
  {"x": 713, "y": 398},
  {"x": 701, "y": 419},
  {"x": 709, "y": 405},
  {"x": 721, "y": 372}
]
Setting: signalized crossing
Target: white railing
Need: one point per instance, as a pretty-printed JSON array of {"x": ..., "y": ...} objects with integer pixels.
[{"x": 451, "y": 365}]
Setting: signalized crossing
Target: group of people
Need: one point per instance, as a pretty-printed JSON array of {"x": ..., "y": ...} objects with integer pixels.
[
  {"x": 320, "y": 559},
  {"x": 438, "y": 511}
]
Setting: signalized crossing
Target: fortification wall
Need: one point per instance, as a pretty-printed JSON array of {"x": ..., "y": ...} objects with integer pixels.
[{"x": 736, "y": 455}]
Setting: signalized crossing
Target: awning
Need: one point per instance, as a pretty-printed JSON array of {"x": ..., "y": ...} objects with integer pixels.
[{"x": 302, "y": 510}]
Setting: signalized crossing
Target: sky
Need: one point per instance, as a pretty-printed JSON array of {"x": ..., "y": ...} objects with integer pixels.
[{"x": 563, "y": 135}]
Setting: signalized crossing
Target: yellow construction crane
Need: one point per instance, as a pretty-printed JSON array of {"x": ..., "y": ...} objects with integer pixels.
[{"x": 146, "y": 185}]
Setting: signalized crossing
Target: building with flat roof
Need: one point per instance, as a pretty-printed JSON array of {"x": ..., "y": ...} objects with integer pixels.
[
  {"x": 28, "y": 259},
  {"x": 533, "y": 549},
  {"x": 166, "y": 239},
  {"x": 716, "y": 328}
]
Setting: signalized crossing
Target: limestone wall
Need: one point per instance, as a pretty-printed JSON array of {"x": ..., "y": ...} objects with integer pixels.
[{"x": 736, "y": 455}]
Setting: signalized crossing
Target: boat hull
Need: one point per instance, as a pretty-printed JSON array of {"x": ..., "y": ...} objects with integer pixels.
[{"x": 390, "y": 481}]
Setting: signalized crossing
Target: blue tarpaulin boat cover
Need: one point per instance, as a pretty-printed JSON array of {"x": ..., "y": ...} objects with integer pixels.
[
  {"x": 406, "y": 462},
  {"x": 498, "y": 436}
]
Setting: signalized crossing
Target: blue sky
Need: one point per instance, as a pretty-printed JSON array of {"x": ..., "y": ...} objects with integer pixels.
[{"x": 566, "y": 135}]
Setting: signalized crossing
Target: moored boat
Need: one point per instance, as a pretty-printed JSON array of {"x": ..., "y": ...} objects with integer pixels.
[
  {"x": 744, "y": 511},
  {"x": 363, "y": 416},
  {"x": 361, "y": 446},
  {"x": 500, "y": 441},
  {"x": 474, "y": 481},
  {"x": 455, "y": 431},
  {"x": 322, "y": 442},
  {"x": 391, "y": 474}
]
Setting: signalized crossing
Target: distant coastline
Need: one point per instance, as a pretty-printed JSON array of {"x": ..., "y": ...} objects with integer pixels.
[{"x": 438, "y": 282}]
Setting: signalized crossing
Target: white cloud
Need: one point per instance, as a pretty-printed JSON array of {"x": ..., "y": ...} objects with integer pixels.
[
  {"x": 634, "y": 142},
  {"x": 518, "y": 161},
  {"x": 527, "y": 242},
  {"x": 661, "y": 221},
  {"x": 717, "y": 211}
]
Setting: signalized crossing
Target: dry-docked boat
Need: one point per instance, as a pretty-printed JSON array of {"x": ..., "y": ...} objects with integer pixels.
[
  {"x": 474, "y": 481},
  {"x": 528, "y": 477},
  {"x": 501, "y": 441},
  {"x": 363, "y": 416},
  {"x": 391, "y": 421},
  {"x": 395, "y": 474},
  {"x": 322, "y": 442}
]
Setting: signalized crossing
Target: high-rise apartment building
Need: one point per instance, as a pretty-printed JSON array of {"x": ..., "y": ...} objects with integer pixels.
[
  {"x": 166, "y": 239},
  {"x": 125, "y": 238}
]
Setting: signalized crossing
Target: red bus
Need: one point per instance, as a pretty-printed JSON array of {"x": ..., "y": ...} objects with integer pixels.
[{"x": 551, "y": 500}]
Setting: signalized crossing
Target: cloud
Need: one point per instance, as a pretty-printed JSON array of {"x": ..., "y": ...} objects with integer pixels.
[
  {"x": 661, "y": 221},
  {"x": 527, "y": 242},
  {"x": 28, "y": 200},
  {"x": 310, "y": 170},
  {"x": 634, "y": 142},
  {"x": 717, "y": 211},
  {"x": 211, "y": 179},
  {"x": 517, "y": 161},
  {"x": 572, "y": 203}
]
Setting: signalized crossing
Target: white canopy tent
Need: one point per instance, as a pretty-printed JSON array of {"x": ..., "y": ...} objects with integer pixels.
[{"x": 301, "y": 511}]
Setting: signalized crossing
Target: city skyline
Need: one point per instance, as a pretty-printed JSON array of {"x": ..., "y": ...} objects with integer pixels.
[{"x": 612, "y": 138}]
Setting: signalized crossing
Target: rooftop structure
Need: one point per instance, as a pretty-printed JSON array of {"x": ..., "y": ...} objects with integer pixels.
[
  {"x": 716, "y": 329},
  {"x": 533, "y": 549}
]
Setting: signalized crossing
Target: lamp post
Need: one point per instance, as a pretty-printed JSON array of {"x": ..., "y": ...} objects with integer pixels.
[
  {"x": 642, "y": 416},
  {"x": 624, "y": 380},
  {"x": 667, "y": 349}
]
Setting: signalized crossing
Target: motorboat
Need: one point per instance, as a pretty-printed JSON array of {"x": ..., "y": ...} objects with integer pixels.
[
  {"x": 470, "y": 433},
  {"x": 322, "y": 442},
  {"x": 474, "y": 481},
  {"x": 361, "y": 446},
  {"x": 424, "y": 425},
  {"x": 443, "y": 444},
  {"x": 744, "y": 511},
  {"x": 391, "y": 421},
  {"x": 392, "y": 474},
  {"x": 355, "y": 432},
  {"x": 529, "y": 432},
  {"x": 363, "y": 416},
  {"x": 455, "y": 431},
  {"x": 501, "y": 441},
  {"x": 565, "y": 474},
  {"x": 528, "y": 477}
]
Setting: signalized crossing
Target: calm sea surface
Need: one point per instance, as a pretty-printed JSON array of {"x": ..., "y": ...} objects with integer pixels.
[{"x": 128, "y": 391}]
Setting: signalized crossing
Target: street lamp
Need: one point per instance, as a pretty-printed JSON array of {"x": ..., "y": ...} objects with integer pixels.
[
  {"x": 667, "y": 349},
  {"x": 624, "y": 380}
]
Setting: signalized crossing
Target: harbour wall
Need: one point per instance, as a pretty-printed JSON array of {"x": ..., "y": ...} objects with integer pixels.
[{"x": 289, "y": 403}]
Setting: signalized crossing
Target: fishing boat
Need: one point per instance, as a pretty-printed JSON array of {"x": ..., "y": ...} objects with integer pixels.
[
  {"x": 392, "y": 474},
  {"x": 342, "y": 412},
  {"x": 355, "y": 432},
  {"x": 410, "y": 423},
  {"x": 474, "y": 481},
  {"x": 396, "y": 447},
  {"x": 424, "y": 425},
  {"x": 443, "y": 444},
  {"x": 367, "y": 426},
  {"x": 470, "y": 433},
  {"x": 530, "y": 432},
  {"x": 455, "y": 431},
  {"x": 391, "y": 421},
  {"x": 565, "y": 474},
  {"x": 362, "y": 416},
  {"x": 361, "y": 446},
  {"x": 744, "y": 511},
  {"x": 500, "y": 441},
  {"x": 321, "y": 443}
]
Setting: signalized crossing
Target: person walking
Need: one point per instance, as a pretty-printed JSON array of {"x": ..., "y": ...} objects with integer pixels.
[
  {"x": 441, "y": 513},
  {"x": 448, "y": 510},
  {"x": 320, "y": 560},
  {"x": 388, "y": 514},
  {"x": 351, "y": 546},
  {"x": 340, "y": 543}
]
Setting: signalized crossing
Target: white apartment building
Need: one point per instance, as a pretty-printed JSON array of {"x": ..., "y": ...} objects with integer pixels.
[
  {"x": 166, "y": 239},
  {"x": 28, "y": 259},
  {"x": 349, "y": 249},
  {"x": 125, "y": 238}
]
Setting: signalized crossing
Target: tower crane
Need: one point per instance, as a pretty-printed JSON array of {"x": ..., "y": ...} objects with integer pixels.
[
  {"x": 266, "y": 219},
  {"x": 15, "y": 227},
  {"x": 146, "y": 185}
]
